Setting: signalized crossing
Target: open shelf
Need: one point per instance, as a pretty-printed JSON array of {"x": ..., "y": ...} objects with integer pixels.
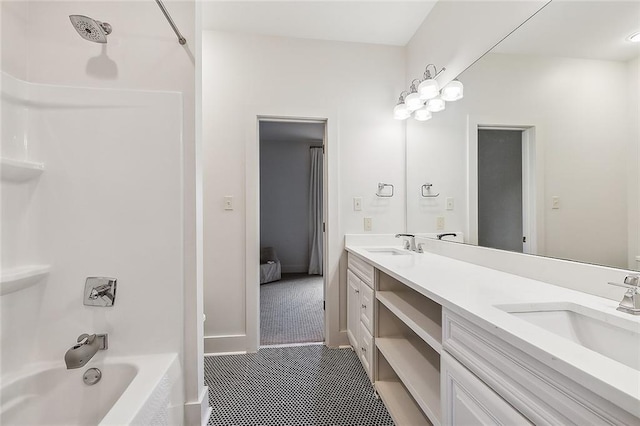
[
  {"x": 418, "y": 367},
  {"x": 15, "y": 279},
  {"x": 403, "y": 409},
  {"x": 20, "y": 171},
  {"x": 420, "y": 314}
]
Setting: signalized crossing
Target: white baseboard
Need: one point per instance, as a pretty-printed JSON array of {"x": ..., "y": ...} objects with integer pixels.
[
  {"x": 197, "y": 413},
  {"x": 215, "y": 345}
]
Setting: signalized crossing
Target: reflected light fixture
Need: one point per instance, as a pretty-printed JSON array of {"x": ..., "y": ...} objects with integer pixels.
[
  {"x": 634, "y": 38},
  {"x": 423, "y": 114},
  {"x": 401, "y": 112},
  {"x": 413, "y": 100},
  {"x": 452, "y": 91},
  {"x": 429, "y": 87},
  {"x": 435, "y": 104}
]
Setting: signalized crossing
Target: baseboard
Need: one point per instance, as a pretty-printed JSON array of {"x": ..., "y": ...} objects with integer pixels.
[
  {"x": 197, "y": 413},
  {"x": 225, "y": 344}
]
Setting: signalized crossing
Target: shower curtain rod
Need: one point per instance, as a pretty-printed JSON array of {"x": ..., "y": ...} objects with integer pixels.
[{"x": 181, "y": 39}]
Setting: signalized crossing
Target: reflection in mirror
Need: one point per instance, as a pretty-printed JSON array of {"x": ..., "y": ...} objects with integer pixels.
[{"x": 541, "y": 156}]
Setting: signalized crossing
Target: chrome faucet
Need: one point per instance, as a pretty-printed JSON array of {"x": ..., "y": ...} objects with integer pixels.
[
  {"x": 631, "y": 300},
  {"x": 409, "y": 242},
  {"x": 88, "y": 345}
]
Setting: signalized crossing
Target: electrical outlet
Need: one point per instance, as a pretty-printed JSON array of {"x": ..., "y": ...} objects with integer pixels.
[
  {"x": 228, "y": 202},
  {"x": 555, "y": 202},
  {"x": 440, "y": 223},
  {"x": 450, "y": 203},
  {"x": 367, "y": 224},
  {"x": 357, "y": 204}
]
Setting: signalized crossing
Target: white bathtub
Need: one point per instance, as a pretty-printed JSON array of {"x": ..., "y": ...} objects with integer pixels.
[{"x": 142, "y": 390}]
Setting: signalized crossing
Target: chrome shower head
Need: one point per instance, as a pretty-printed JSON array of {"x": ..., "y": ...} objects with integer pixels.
[{"x": 90, "y": 29}]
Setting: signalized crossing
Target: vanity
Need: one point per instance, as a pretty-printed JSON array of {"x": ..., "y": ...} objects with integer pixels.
[{"x": 453, "y": 343}]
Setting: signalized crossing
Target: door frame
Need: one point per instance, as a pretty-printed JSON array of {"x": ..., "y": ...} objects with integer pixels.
[
  {"x": 252, "y": 222},
  {"x": 532, "y": 178}
]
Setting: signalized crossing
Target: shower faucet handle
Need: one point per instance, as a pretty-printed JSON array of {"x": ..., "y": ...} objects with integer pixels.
[{"x": 100, "y": 291}]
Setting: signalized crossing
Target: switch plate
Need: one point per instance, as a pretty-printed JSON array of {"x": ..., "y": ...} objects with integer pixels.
[
  {"x": 368, "y": 224},
  {"x": 228, "y": 202},
  {"x": 440, "y": 223},
  {"x": 555, "y": 202},
  {"x": 450, "y": 203},
  {"x": 357, "y": 204}
]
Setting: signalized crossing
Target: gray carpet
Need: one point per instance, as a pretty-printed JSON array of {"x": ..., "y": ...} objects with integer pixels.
[
  {"x": 300, "y": 385},
  {"x": 291, "y": 310}
]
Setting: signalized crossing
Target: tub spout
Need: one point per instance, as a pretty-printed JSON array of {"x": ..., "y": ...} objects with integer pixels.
[{"x": 88, "y": 345}]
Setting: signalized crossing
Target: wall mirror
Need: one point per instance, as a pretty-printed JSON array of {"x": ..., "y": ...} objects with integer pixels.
[{"x": 541, "y": 155}]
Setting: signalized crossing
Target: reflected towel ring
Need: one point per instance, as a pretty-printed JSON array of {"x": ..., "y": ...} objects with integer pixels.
[
  {"x": 381, "y": 187},
  {"x": 427, "y": 187}
]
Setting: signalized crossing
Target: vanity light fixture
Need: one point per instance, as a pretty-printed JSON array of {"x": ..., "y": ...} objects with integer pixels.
[
  {"x": 634, "y": 38},
  {"x": 423, "y": 114},
  {"x": 452, "y": 91},
  {"x": 427, "y": 90},
  {"x": 401, "y": 112}
]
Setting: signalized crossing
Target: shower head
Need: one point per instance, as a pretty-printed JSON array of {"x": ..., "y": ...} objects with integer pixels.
[{"x": 90, "y": 29}]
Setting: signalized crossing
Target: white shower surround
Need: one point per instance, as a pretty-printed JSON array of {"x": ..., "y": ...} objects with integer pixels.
[{"x": 108, "y": 203}]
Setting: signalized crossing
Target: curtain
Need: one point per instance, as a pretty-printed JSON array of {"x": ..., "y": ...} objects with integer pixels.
[{"x": 315, "y": 213}]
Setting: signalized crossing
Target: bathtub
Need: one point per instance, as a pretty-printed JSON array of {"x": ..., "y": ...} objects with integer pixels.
[{"x": 141, "y": 390}]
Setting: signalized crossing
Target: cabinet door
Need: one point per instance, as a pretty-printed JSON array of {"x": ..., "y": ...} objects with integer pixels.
[
  {"x": 366, "y": 351},
  {"x": 366, "y": 307},
  {"x": 467, "y": 400},
  {"x": 353, "y": 310}
]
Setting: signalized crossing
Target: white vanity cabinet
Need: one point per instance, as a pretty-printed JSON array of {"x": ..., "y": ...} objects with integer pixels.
[{"x": 360, "y": 308}]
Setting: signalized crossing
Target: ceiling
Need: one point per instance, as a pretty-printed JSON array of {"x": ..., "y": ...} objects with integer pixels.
[
  {"x": 287, "y": 131},
  {"x": 377, "y": 22},
  {"x": 579, "y": 29}
]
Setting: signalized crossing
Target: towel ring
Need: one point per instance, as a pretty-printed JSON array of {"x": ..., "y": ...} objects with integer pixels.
[
  {"x": 427, "y": 187},
  {"x": 381, "y": 187}
]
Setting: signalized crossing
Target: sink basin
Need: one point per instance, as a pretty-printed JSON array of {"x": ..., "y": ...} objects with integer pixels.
[
  {"x": 609, "y": 335},
  {"x": 388, "y": 251}
]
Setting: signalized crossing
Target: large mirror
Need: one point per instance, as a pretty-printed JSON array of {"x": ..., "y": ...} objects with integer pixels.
[{"x": 541, "y": 155}]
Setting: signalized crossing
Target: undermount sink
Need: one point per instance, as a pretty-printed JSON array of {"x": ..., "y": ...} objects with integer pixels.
[
  {"x": 389, "y": 251},
  {"x": 612, "y": 336}
]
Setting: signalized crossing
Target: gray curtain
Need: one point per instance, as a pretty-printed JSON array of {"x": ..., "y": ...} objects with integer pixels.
[{"x": 315, "y": 213}]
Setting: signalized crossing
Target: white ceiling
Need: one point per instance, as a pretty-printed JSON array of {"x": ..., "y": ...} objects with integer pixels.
[
  {"x": 279, "y": 131},
  {"x": 579, "y": 29},
  {"x": 377, "y": 22}
]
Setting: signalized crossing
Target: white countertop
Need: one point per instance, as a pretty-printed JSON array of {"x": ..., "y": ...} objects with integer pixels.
[{"x": 473, "y": 291}]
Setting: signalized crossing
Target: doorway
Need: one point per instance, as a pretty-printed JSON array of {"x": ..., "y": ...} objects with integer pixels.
[{"x": 291, "y": 236}]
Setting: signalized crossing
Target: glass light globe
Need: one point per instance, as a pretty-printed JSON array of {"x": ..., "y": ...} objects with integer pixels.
[
  {"x": 422, "y": 114},
  {"x": 400, "y": 112},
  {"x": 428, "y": 89},
  {"x": 435, "y": 104},
  {"x": 452, "y": 91},
  {"x": 413, "y": 101}
]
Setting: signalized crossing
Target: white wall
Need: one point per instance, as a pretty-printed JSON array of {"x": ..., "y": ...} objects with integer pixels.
[
  {"x": 581, "y": 144},
  {"x": 285, "y": 168},
  {"x": 357, "y": 83},
  {"x": 142, "y": 54},
  {"x": 633, "y": 163},
  {"x": 13, "y": 22}
]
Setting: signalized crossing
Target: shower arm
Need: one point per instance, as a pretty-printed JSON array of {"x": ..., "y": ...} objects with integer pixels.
[{"x": 181, "y": 39}]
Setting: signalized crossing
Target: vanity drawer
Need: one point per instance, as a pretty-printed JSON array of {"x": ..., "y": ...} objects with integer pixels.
[
  {"x": 362, "y": 269},
  {"x": 540, "y": 393},
  {"x": 366, "y": 307},
  {"x": 366, "y": 350}
]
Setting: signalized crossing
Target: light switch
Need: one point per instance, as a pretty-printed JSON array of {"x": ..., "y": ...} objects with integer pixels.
[
  {"x": 368, "y": 224},
  {"x": 450, "y": 203},
  {"x": 555, "y": 202},
  {"x": 440, "y": 223},
  {"x": 357, "y": 204},
  {"x": 228, "y": 202}
]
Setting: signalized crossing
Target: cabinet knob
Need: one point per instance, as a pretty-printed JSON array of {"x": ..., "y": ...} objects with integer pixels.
[
  {"x": 363, "y": 349},
  {"x": 357, "y": 291},
  {"x": 364, "y": 306}
]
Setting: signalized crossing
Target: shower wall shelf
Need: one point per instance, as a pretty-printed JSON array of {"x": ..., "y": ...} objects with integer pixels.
[
  {"x": 19, "y": 170},
  {"x": 21, "y": 277}
]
